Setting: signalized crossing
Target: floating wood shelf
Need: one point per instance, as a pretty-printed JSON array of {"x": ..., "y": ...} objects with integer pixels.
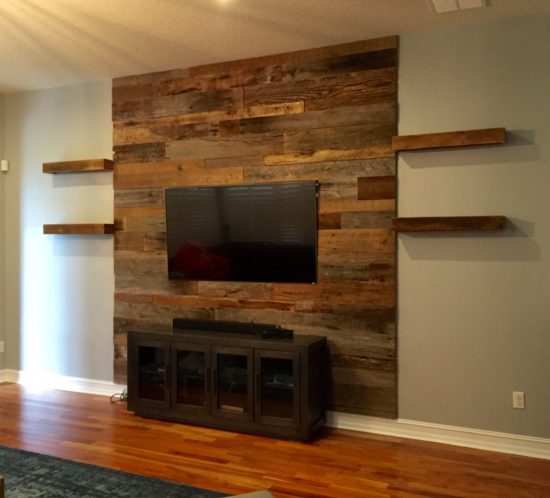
[
  {"x": 80, "y": 229},
  {"x": 449, "y": 224},
  {"x": 85, "y": 166},
  {"x": 488, "y": 136}
]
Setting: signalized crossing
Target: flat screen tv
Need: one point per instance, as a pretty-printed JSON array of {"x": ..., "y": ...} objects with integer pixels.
[{"x": 243, "y": 233}]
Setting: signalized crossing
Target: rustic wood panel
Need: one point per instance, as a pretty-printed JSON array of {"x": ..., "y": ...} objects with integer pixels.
[
  {"x": 338, "y": 138},
  {"x": 361, "y": 88},
  {"x": 449, "y": 224},
  {"x": 345, "y": 64},
  {"x": 339, "y": 116},
  {"x": 357, "y": 246},
  {"x": 173, "y": 105},
  {"x": 187, "y": 301},
  {"x": 488, "y": 136},
  {"x": 243, "y": 145},
  {"x": 173, "y": 174},
  {"x": 324, "y": 155},
  {"x": 326, "y": 114},
  {"x": 328, "y": 172},
  {"x": 139, "y": 153},
  {"x": 382, "y": 219},
  {"x": 378, "y": 187},
  {"x": 166, "y": 129}
]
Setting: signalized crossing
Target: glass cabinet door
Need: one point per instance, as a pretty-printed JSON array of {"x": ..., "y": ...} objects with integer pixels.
[
  {"x": 232, "y": 382},
  {"x": 152, "y": 379},
  {"x": 277, "y": 387},
  {"x": 191, "y": 364}
]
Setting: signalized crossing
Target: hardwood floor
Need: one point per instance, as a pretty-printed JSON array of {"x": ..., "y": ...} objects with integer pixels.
[{"x": 337, "y": 464}]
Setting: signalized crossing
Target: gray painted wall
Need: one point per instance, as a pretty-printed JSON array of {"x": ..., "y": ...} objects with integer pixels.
[
  {"x": 474, "y": 313},
  {"x": 59, "y": 304}
]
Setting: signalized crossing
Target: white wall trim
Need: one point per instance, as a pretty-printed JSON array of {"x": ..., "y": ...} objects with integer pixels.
[
  {"x": 9, "y": 376},
  {"x": 61, "y": 382},
  {"x": 447, "y": 434}
]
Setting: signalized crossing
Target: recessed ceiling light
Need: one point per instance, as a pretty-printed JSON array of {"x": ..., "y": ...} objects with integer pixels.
[{"x": 442, "y": 6}]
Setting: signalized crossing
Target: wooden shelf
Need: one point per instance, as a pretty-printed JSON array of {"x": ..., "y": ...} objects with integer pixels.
[
  {"x": 449, "y": 224},
  {"x": 80, "y": 229},
  {"x": 84, "y": 166},
  {"x": 487, "y": 136}
]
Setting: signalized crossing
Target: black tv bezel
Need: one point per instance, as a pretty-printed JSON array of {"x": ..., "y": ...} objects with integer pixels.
[{"x": 316, "y": 186}]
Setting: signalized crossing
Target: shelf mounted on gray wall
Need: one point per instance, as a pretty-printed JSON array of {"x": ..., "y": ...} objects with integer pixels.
[
  {"x": 449, "y": 224},
  {"x": 450, "y": 139}
]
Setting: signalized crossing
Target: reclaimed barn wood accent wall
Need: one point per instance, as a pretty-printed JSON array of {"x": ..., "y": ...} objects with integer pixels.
[{"x": 325, "y": 114}]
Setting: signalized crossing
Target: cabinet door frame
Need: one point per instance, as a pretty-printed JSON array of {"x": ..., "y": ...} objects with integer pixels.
[
  {"x": 182, "y": 345},
  {"x": 294, "y": 356},
  {"x": 134, "y": 401},
  {"x": 226, "y": 414}
]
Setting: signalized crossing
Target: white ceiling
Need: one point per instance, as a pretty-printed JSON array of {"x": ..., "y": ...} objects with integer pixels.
[{"x": 47, "y": 43}]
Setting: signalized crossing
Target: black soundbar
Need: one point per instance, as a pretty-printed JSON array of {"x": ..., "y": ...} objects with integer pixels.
[{"x": 263, "y": 330}]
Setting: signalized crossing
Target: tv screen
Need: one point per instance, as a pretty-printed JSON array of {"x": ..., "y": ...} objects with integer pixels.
[{"x": 244, "y": 233}]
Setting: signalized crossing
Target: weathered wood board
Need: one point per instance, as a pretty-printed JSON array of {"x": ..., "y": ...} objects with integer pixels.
[{"x": 326, "y": 114}]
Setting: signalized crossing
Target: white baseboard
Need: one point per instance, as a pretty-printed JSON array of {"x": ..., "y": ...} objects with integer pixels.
[
  {"x": 459, "y": 436},
  {"x": 412, "y": 429},
  {"x": 61, "y": 382}
]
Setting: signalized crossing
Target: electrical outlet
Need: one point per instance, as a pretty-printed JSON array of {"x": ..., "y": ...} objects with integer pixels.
[
  {"x": 1, "y": 346},
  {"x": 518, "y": 399}
]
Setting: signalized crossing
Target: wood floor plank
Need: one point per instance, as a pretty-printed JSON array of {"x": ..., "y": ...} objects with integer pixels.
[{"x": 336, "y": 464}]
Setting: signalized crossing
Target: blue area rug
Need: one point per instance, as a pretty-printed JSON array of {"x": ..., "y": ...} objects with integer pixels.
[{"x": 30, "y": 475}]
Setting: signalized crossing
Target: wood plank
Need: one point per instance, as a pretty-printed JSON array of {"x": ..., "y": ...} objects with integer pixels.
[
  {"x": 377, "y": 187},
  {"x": 383, "y": 400},
  {"x": 145, "y": 280},
  {"x": 157, "y": 313},
  {"x": 449, "y": 223},
  {"x": 243, "y": 145},
  {"x": 327, "y": 172},
  {"x": 196, "y": 124},
  {"x": 356, "y": 246},
  {"x": 487, "y": 136},
  {"x": 81, "y": 166},
  {"x": 325, "y": 295},
  {"x": 79, "y": 229},
  {"x": 173, "y": 174},
  {"x": 356, "y": 206},
  {"x": 339, "y": 138},
  {"x": 335, "y": 271},
  {"x": 236, "y": 290},
  {"x": 189, "y": 301},
  {"x": 139, "y": 153},
  {"x": 361, "y": 88},
  {"x": 348, "y": 63},
  {"x": 173, "y": 105},
  {"x": 329, "y": 221},
  {"x": 147, "y": 197},
  {"x": 371, "y": 152},
  {"x": 380, "y": 219},
  {"x": 328, "y": 118},
  {"x": 141, "y": 264}
]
